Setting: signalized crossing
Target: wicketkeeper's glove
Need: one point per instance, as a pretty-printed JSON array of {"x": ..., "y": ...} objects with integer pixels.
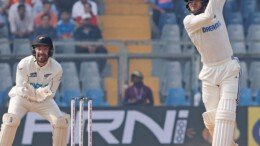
[
  {"x": 28, "y": 90},
  {"x": 43, "y": 93}
]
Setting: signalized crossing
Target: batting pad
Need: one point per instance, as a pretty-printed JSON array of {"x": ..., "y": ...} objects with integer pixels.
[
  {"x": 225, "y": 123},
  {"x": 60, "y": 130},
  {"x": 209, "y": 120},
  {"x": 8, "y": 129}
]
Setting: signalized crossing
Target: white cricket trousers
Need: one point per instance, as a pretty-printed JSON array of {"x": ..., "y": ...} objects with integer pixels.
[
  {"x": 48, "y": 109},
  {"x": 220, "y": 83},
  {"x": 219, "y": 80},
  {"x": 19, "y": 106}
]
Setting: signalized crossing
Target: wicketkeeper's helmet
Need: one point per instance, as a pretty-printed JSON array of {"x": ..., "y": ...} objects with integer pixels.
[
  {"x": 204, "y": 5},
  {"x": 42, "y": 40}
]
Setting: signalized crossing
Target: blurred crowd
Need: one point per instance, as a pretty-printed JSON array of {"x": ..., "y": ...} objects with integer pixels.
[{"x": 57, "y": 19}]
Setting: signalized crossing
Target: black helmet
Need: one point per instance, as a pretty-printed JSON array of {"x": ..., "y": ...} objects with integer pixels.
[
  {"x": 43, "y": 40},
  {"x": 204, "y": 5}
]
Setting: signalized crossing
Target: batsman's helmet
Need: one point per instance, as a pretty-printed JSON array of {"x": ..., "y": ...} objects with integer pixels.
[
  {"x": 204, "y": 5},
  {"x": 42, "y": 40},
  {"x": 137, "y": 74}
]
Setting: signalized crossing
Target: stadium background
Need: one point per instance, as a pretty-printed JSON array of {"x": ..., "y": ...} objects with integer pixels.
[{"x": 170, "y": 65}]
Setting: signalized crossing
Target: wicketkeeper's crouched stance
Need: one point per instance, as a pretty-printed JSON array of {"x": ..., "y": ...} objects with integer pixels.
[
  {"x": 220, "y": 73},
  {"x": 37, "y": 79}
]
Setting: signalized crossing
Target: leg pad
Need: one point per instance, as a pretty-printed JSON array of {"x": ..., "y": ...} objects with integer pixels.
[
  {"x": 225, "y": 123},
  {"x": 8, "y": 129},
  {"x": 60, "y": 130},
  {"x": 209, "y": 120}
]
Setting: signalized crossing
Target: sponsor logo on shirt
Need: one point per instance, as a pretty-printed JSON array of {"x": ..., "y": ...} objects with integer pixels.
[
  {"x": 211, "y": 27},
  {"x": 38, "y": 85},
  {"x": 33, "y": 74},
  {"x": 47, "y": 75}
]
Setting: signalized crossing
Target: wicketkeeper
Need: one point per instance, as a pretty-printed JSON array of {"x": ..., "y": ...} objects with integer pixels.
[
  {"x": 220, "y": 72},
  {"x": 37, "y": 79}
]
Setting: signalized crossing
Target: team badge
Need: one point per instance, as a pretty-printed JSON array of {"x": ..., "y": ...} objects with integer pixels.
[
  {"x": 40, "y": 38},
  {"x": 47, "y": 75}
]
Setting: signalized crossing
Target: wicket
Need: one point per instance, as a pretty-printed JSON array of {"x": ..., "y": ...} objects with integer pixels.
[{"x": 81, "y": 102}]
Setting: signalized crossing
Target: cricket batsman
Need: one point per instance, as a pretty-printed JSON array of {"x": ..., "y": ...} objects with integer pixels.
[
  {"x": 220, "y": 72},
  {"x": 37, "y": 79}
]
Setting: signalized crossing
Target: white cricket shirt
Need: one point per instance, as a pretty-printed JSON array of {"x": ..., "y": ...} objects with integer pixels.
[
  {"x": 209, "y": 34},
  {"x": 30, "y": 72}
]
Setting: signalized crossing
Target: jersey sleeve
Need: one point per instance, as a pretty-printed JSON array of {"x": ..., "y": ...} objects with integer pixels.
[
  {"x": 94, "y": 8},
  {"x": 193, "y": 23},
  {"x": 21, "y": 77},
  {"x": 126, "y": 95},
  {"x": 74, "y": 11},
  {"x": 150, "y": 96},
  {"x": 55, "y": 82},
  {"x": 220, "y": 4}
]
